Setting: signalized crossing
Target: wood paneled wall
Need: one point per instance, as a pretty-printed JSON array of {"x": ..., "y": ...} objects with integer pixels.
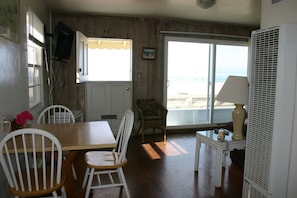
[{"x": 145, "y": 32}]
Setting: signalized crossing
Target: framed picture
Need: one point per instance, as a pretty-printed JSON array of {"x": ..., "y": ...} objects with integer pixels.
[
  {"x": 149, "y": 53},
  {"x": 9, "y": 19}
]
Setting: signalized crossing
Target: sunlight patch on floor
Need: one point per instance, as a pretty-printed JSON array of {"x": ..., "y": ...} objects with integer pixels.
[
  {"x": 168, "y": 148},
  {"x": 179, "y": 147},
  {"x": 151, "y": 151}
]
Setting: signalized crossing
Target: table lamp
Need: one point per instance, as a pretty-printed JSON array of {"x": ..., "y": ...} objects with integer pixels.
[{"x": 235, "y": 90}]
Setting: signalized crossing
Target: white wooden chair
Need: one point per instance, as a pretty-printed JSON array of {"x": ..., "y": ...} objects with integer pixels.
[
  {"x": 24, "y": 176},
  {"x": 56, "y": 114},
  {"x": 110, "y": 162}
]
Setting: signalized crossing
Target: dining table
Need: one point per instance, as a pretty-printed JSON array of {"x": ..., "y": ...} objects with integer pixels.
[{"x": 76, "y": 137}]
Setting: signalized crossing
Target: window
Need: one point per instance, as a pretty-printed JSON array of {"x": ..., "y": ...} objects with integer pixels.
[
  {"x": 99, "y": 58},
  {"x": 35, "y": 42},
  {"x": 102, "y": 61},
  {"x": 196, "y": 71}
]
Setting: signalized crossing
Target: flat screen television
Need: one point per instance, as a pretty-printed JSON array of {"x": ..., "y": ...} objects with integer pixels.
[{"x": 62, "y": 42}]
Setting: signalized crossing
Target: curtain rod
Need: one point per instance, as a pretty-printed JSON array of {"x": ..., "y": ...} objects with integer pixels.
[{"x": 203, "y": 34}]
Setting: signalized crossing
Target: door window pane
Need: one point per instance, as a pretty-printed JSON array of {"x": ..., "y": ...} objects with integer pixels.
[
  {"x": 188, "y": 64},
  {"x": 109, "y": 59}
]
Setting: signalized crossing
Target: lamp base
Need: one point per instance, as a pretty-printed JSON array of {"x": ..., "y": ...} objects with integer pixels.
[{"x": 238, "y": 116}]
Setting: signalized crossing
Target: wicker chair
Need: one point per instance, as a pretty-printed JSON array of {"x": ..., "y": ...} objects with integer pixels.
[{"x": 151, "y": 115}]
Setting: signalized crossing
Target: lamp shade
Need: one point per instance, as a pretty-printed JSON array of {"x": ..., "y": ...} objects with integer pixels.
[{"x": 234, "y": 90}]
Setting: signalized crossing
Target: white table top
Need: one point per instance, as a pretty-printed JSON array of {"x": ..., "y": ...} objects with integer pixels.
[
  {"x": 211, "y": 138},
  {"x": 212, "y": 135}
]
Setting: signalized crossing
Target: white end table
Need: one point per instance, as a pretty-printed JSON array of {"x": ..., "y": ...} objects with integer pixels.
[{"x": 222, "y": 146}]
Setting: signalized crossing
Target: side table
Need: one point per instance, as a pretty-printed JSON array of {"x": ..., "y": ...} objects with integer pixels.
[{"x": 222, "y": 146}]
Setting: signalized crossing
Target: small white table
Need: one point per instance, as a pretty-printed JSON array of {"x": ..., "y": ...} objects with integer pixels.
[{"x": 222, "y": 146}]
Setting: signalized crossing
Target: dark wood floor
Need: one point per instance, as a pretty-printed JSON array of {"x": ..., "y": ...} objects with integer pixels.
[{"x": 166, "y": 170}]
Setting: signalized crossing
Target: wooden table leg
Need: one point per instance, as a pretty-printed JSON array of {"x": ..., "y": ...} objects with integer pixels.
[
  {"x": 72, "y": 187},
  {"x": 67, "y": 168}
]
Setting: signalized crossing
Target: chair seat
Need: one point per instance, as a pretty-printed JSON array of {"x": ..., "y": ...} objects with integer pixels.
[
  {"x": 103, "y": 160},
  {"x": 34, "y": 192}
]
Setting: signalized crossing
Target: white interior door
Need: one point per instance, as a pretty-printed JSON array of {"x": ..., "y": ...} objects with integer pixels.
[
  {"x": 108, "y": 101},
  {"x": 105, "y": 64}
]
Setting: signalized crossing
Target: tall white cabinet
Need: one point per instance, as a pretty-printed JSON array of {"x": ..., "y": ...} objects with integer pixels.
[
  {"x": 271, "y": 126},
  {"x": 107, "y": 101}
]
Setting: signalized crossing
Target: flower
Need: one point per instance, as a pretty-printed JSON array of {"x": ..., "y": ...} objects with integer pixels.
[{"x": 22, "y": 117}]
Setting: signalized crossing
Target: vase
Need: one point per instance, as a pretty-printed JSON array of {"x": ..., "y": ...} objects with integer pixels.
[{"x": 15, "y": 126}]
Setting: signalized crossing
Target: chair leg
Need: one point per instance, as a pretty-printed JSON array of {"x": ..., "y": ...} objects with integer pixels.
[
  {"x": 63, "y": 192},
  {"x": 73, "y": 169},
  {"x": 55, "y": 195},
  {"x": 138, "y": 130},
  {"x": 165, "y": 136},
  {"x": 74, "y": 172},
  {"x": 123, "y": 180},
  {"x": 89, "y": 183},
  {"x": 86, "y": 177},
  {"x": 142, "y": 140}
]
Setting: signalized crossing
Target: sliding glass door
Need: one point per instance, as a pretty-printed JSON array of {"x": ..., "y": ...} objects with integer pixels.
[
  {"x": 196, "y": 70},
  {"x": 187, "y": 78}
]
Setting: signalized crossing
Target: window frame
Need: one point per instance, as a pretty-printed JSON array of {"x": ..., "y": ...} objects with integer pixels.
[{"x": 35, "y": 63}]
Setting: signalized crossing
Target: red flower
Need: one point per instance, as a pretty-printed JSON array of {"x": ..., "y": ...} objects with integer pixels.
[
  {"x": 28, "y": 115},
  {"x": 22, "y": 118}
]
